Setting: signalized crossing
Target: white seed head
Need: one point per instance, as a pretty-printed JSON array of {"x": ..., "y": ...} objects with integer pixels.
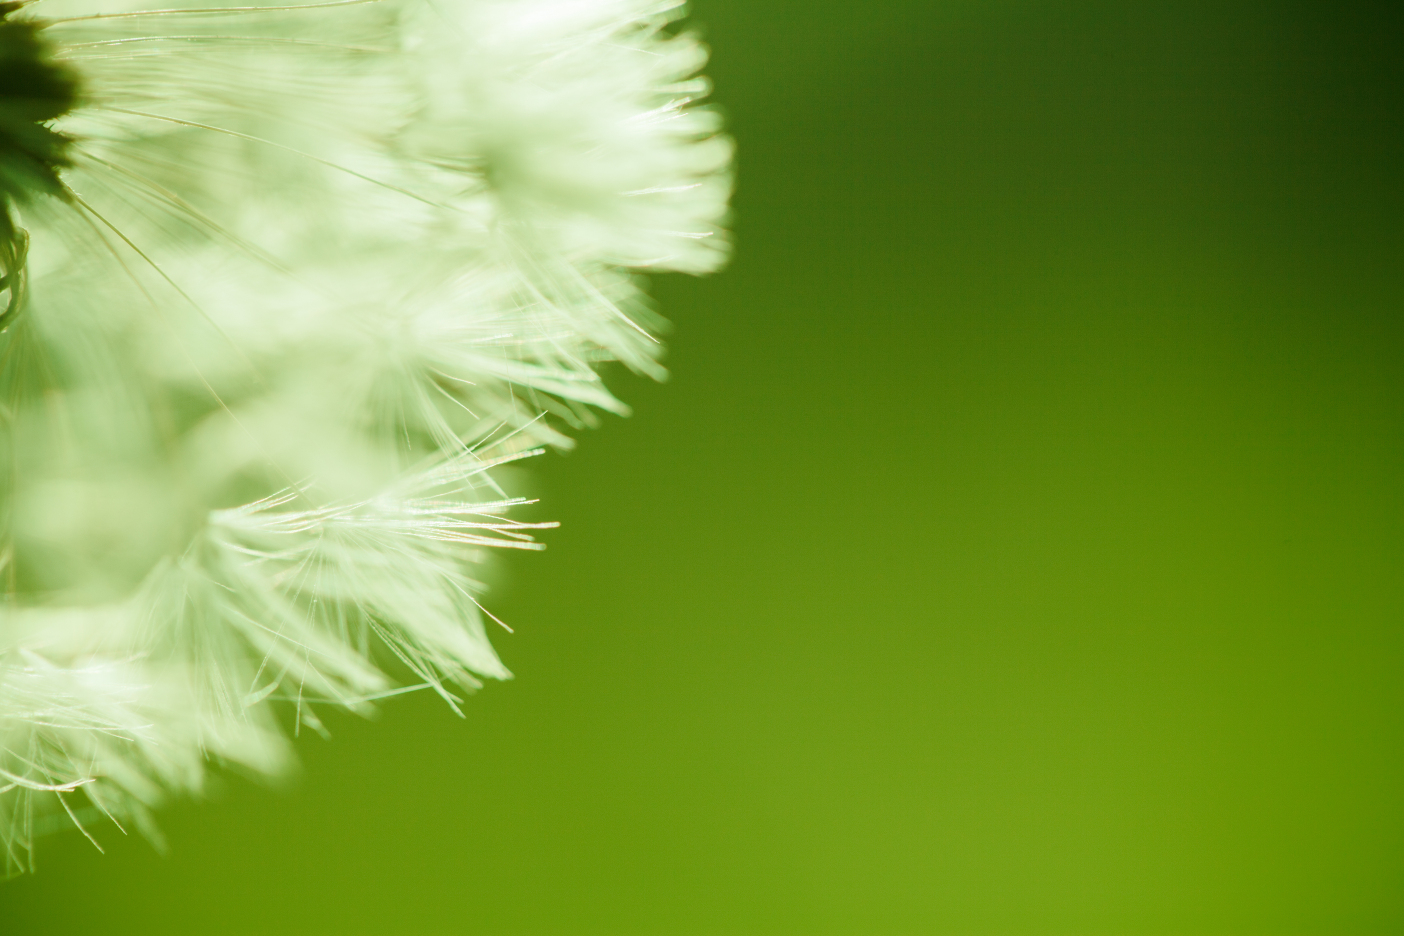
[{"x": 312, "y": 273}]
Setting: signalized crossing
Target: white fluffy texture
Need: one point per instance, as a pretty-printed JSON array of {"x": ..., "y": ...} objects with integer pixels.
[
  {"x": 323, "y": 269},
  {"x": 572, "y": 119}
]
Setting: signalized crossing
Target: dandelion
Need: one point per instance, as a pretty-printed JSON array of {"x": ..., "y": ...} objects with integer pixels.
[{"x": 280, "y": 286}]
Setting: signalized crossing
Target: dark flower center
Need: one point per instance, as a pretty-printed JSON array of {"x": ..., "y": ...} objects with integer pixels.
[{"x": 34, "y": 90}]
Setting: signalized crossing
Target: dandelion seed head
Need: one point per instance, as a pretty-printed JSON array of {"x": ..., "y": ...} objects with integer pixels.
[{"x": 285, "y": 290}]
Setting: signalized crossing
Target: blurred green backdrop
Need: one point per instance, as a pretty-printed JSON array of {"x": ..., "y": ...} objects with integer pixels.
[{"x": 1018, "y": 548}]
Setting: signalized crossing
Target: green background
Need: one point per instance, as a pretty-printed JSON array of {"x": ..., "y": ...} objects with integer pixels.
[{"x": 1017, "y": 548}]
